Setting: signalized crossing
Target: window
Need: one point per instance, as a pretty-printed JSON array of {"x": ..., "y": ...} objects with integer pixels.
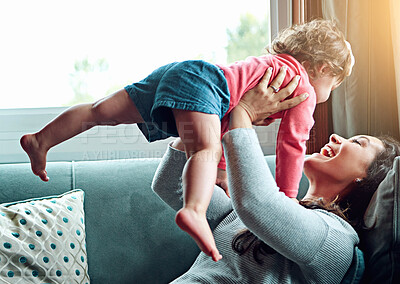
[
  {"x": 58, "y": 51},
  {"x": 56, "y": 54}
]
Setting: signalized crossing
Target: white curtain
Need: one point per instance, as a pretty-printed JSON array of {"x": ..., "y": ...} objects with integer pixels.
[{"x": 367, "y": 101}]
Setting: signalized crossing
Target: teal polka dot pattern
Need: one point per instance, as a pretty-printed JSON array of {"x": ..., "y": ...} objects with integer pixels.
[
  {"x": 43, "y": 240},
  {"x": 15, "y": 235}
]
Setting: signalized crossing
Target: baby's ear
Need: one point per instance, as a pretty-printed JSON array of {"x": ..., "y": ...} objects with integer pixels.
[
  {"x": 310, "y": 70},
  {"x": 324, "y": 69}
]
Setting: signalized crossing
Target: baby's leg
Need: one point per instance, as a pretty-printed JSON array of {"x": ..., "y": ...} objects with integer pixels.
[
  {"x": 112, "y": 110},
  {"x": 200, "y": 134}
]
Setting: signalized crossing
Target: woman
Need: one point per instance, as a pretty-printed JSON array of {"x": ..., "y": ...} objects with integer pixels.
[{"x": 265, "y": 237}]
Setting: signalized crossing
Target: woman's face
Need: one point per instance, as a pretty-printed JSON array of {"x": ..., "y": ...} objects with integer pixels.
[{"x": 342, "y": 161}]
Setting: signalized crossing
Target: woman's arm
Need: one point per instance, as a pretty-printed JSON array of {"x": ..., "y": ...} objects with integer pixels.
[
  {"x": 167, "y": 184},
  {"x": 292, "y": 230},
  {"x": 289, "y": 228}
]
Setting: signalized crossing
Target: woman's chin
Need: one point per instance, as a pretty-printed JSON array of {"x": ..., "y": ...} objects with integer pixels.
[
  {"x": 314, "y": 163},
  {"x": 316, "y": 156}
]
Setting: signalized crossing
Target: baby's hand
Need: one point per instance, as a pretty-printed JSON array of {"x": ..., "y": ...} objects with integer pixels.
[{"x": 222, "y": 180}]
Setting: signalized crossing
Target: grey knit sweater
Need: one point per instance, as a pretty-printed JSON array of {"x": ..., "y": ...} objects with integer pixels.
[{"x": 313, "y": 246}]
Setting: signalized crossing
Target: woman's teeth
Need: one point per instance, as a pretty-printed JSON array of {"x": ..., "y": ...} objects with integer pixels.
[{"x": 327, "y": 152}]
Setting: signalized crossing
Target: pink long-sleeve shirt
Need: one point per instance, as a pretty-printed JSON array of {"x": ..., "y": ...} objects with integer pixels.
[{"x": 296, "y": 122}]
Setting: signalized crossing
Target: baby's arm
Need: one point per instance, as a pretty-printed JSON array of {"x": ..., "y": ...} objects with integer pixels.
[
  {"x": 291, "y": 145},
  {"x": 167, "y": 184}
]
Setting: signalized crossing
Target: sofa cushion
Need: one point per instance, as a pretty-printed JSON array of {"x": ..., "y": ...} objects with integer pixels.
[
  {"x": 43, "y": 240},
  {"x": 381, "y": 244},
  {"x": 132, "y": 236},
  {"x": 304, "y": 183}
]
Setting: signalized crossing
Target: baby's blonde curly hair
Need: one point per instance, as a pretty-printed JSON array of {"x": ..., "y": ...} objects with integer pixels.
[{"x": 316, "y": 42}]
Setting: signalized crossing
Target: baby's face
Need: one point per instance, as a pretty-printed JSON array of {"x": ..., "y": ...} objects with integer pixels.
[{"x": 323, "y": 86}]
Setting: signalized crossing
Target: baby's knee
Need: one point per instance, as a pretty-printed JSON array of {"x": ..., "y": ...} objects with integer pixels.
[
  {"x": 216, "y": 153},
  {"x": 218, "y": 150},
  {"x": 208, "y": 151}
]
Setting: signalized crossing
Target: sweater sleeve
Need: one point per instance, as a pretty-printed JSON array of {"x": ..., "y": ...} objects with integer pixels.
[
  {"x": 292, "y": 230},
  {"x": 167, "y": 184},
  {"x": 291, "y": 146}
]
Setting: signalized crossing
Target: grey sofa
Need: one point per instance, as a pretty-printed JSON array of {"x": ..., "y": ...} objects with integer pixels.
[{"x": 131, "y": 236}]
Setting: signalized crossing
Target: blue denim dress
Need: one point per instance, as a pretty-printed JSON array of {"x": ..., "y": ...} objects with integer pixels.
[{"x": 193, "y": 85}]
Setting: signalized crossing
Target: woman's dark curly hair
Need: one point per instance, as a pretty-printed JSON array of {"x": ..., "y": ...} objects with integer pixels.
[{"x": 350, "y": 207}]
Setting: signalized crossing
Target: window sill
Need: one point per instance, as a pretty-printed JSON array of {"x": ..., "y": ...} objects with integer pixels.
[{"x": 100, "y": 143}]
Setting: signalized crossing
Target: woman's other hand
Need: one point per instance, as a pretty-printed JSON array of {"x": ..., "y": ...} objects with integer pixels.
[{"x": 262, "y": 101}]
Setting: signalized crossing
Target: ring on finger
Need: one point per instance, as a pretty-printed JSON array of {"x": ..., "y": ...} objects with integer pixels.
[{"x": 275, "y": 89}]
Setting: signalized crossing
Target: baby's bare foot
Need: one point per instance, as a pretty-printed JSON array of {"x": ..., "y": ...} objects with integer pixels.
[
  {"x": 37, "y": 155},
  {"x": 197, "y": 227}
]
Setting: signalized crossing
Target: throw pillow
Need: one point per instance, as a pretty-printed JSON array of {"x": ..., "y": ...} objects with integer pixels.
[
  {"x": 381, "y": 245},
  {"x": 43, "y": 240}
]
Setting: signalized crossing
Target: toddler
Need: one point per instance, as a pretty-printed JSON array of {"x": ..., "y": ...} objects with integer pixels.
[{"x": 192, "y": 100}]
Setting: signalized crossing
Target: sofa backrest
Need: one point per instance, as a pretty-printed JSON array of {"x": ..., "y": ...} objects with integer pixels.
[{"x": 131, "y": 235}]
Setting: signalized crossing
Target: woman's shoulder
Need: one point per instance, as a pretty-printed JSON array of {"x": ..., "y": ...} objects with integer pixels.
[
  {"x": 337, "y": 248},
  {"x": 337, "y": 225}
]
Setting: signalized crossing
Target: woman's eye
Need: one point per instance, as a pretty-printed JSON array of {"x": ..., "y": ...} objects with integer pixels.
[{"x": 356, "y": 141}]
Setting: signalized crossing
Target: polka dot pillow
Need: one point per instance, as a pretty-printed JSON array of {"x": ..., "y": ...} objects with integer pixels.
[{"x": 43, "y": 240}]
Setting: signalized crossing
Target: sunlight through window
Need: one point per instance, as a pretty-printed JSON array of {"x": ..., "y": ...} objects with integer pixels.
[{"x": 58, "y": 54}]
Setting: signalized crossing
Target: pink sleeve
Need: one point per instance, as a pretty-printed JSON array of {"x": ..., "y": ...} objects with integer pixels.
[
  {"x": 291, "y": 146},
  {"x": 222, "y": 163}
]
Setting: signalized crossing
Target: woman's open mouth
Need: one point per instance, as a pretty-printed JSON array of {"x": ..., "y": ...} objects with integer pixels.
[{"x": 327, "y": 151}]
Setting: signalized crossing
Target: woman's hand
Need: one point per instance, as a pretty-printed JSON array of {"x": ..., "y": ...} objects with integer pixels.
[{"x": 261, "y": 102}]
